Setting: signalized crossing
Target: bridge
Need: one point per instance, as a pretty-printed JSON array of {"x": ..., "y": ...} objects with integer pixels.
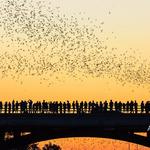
[{"x": 21, "y": 129}]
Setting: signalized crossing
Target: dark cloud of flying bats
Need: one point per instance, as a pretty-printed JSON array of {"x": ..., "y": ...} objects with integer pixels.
[{"x": 46, "y": 42}]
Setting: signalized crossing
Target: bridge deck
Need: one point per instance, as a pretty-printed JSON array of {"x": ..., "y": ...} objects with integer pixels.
[{"x": 101, "y": 121}]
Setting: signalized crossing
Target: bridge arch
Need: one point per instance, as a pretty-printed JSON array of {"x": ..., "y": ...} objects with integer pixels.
[{"x": 57, "y": 134}]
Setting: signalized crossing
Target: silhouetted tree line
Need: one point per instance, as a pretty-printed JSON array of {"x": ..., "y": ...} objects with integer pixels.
[
  {"x": 56, "y": 107},
  {"x": 48, "y": 146}
]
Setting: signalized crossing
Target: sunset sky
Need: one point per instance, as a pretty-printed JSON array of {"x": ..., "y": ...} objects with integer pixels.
[
  {"x": 75, "y": 49},
  {"x": 125, "y": 26}
]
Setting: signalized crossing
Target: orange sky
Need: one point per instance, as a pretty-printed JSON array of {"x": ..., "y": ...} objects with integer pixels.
[{"x": 31, "y": 40}]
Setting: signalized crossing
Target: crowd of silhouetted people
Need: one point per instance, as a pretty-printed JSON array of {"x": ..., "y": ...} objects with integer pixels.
[{"x": 73, "y": 107}]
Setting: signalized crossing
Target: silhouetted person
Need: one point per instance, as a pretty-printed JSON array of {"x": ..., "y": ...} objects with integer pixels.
[
  {"x": 111, "y": 105},
  {"x": 131, "y": 106},
  {"x": 68, "y": 106},
  {"x": 39, "y": 106},
  {"x": 17, "y": 106},
  {"x": 124, "y": 107},
  {"x": 24, "y": 106},
  {"x": 147, "y": 107},
  {"x": 9, "y": 107},
  {"x": 5, "y": 106},
  {"x": 89, "y": 106},
  {"x": 96, "y": 107},
  {"x": 136, "y": 107},
  {"x": 13, "y": 106},
  {"x": 50, "y": 107},
  {"x": 1, "y": 106},
  {"x": 116, "y": 106},
  {"x": 56, "y": 107},
  {"x": 73, "y": 106},
  {"x": 93, "y": 105},
  {"x": 30, "y": 106},
  {"x": 100, "y": 107},
  {"x": 64, "y": 107},
  {"x": 34, "y": 107},
  {"x": 142, "y": 106},
  {"x": 60, "y": 107},
  {"x": 77, "y": 107},
  {"x": 120, "y": 106},
  {"x": 105, "y": 106},
  {"x": 128, "y": 106},
  {"x": 81, "y": 107},
  {"x": 44, "y": 106},
  {"x": 85, "y": 106}
]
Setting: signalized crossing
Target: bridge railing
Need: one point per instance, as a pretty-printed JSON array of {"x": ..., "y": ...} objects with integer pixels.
[{"x": 69, "y": 111}]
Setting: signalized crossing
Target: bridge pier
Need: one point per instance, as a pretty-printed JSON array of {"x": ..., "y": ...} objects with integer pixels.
[
  {"x": 16, "y": 135},
  {"x": 148, "y": 134},
  {"x": 2, "y": 136},
  {"x": 2, "y": 140}
]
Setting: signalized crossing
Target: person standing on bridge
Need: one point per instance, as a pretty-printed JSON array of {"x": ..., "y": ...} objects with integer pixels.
[
  {"x": 39, "y": 106},
  {"x": 50, "y": 107},
  {"x": 34, "y": 108},
  {"x": 1, "y": 106},
  {"x": 89, "y": 106},
  {"x": 135, "y": 106},
  {"x": 77, "y": 107},
  {"x": 142, "y": 106},
  {"x": 44, "y": 106},
  {"x": 147, "y": 107},
  {"x": 56, "y": 107},
  {"x": 5, "y": 106},
  {"x": 131, "y": 106},
  {"x": 85, "y": 106},
  {"x": 111, "y": 105},
  {"x": 13, "y": 106},
  {"x": 100, "y": 106},
  {"x": 68, "y": 106},
  {"x": 105, "y": 106},
  {"x": 60, "y": 107},
  {"x": 17, "y": 106},
  {"x": 124, "y": 107},
  {"x": 9, "y": 107},
  {"x": 97, "y": 107},
  {"x": 64, "y": 107},
  {"x": 116, "y": 106},
  {"x": 73, "y": 106},
  {"x": 30, "y": 105},
  {"x": 81, "y": 107},
  {"x": 128, "y": 106}
]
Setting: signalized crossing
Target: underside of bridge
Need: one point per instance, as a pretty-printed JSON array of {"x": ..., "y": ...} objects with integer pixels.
[{"x": 20, "y": 141}]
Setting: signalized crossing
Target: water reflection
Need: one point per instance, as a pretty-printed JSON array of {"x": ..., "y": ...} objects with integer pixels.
[{"x": 94, "y": 144}]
